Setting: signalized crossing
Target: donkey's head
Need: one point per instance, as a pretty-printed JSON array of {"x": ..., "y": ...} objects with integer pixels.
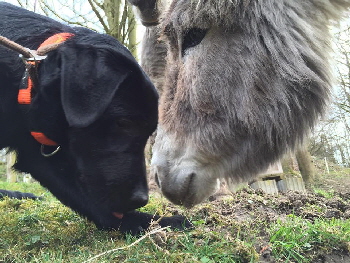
[{"x": 245, "y": 81}]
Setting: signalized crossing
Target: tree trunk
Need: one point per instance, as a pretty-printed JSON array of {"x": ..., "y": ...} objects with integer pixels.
[
  {"x": 121, "y": 23},
  {"x": 112, "y": 11},
  {"x": 306, "y": 166}
]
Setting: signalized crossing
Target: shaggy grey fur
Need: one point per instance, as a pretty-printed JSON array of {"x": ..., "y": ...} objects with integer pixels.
[
  {"x": 246, "y": 94},
  {"x": 153, "y": 56}
]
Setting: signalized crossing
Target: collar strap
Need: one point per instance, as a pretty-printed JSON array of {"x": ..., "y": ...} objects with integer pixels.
[
  {"x": 26, "y": 89},
  {"x": 56, "y": 39},
  {"x": 25, "y": 94}
]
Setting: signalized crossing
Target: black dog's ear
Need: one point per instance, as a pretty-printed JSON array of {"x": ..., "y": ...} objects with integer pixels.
[{"x": 89, "y": 79}]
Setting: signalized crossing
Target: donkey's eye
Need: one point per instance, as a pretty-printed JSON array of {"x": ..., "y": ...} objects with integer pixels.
[{"x": 192, "y": 38}]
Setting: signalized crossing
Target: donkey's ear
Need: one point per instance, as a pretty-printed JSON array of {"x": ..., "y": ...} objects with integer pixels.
[{"x": 89, "y": 79}]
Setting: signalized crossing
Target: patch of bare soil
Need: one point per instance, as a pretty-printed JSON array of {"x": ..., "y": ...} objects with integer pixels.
[
  {"x": 248, "y": 206},
  {"x": 333, "y": 258},
  {"x": 331, "y": 182}
]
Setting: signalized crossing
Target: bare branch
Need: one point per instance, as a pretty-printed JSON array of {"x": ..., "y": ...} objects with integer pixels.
[
  {"x": 97, "y": 13},
  {"x": 98, "y": 4}
]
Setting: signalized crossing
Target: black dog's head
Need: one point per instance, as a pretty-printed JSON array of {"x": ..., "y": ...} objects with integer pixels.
[{"x": 94, "y": 100}]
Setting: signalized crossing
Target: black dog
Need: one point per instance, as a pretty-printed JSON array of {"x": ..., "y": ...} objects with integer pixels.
[{"x": 93, "y": 99}]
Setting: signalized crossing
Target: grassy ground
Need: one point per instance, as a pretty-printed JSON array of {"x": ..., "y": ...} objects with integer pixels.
[{"x": 247, "y": 227}]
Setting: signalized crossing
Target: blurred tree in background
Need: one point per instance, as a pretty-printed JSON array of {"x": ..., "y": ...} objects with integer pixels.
[
  {"x": 331, "y": 139},
  {"x": 113, "y": 17}
]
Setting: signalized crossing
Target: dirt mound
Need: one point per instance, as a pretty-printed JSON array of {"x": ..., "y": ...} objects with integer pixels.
[
  {"x": 248, "y": 204},
  {"x": 253, "y": 210},
  {"x": 252, "y": 207},
  {"x": 250, "y": 214}
]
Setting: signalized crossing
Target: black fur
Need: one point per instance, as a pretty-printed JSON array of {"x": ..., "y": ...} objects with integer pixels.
[
  {"x": 18, "y": 195},
  {"x": 96, "y": 102}
]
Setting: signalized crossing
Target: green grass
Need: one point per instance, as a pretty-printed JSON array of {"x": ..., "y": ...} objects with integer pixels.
[
  {"x": 293, "y": 238},
  {"x": 324, "y": 193},
  {"x": 2, "y": 170},
  {"x": 47, "y": 231}
]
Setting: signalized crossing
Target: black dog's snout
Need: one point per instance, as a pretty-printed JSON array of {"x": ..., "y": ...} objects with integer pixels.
[{"x": 138, "y": 199}]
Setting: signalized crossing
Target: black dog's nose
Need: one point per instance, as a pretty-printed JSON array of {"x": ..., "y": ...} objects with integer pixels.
[{"x": 138, "y": 199}]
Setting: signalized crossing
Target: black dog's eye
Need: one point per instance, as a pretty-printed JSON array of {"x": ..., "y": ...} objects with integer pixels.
[{"x": 192, "y": 38}]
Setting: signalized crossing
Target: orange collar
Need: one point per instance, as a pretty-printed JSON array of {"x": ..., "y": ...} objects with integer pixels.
[{"x": 25, "y": 93}]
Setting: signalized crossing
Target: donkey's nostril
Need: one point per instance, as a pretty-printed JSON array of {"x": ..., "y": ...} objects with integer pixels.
[{"x": 190, "y": 180}]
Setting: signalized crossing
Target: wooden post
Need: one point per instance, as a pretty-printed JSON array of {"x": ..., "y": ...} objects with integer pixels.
[
  {"x": 10, "y": 173},
  {"x": 327, "y": 167}
]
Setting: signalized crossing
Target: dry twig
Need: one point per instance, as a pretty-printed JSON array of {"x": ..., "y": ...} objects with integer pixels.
[{"x": 128, "y": 246}]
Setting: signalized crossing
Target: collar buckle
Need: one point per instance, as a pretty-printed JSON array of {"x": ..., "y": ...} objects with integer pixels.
[{"x": 35, "y": 57}]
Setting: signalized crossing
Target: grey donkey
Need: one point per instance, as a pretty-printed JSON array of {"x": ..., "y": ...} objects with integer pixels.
[{"x": 242, "y": 83}]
